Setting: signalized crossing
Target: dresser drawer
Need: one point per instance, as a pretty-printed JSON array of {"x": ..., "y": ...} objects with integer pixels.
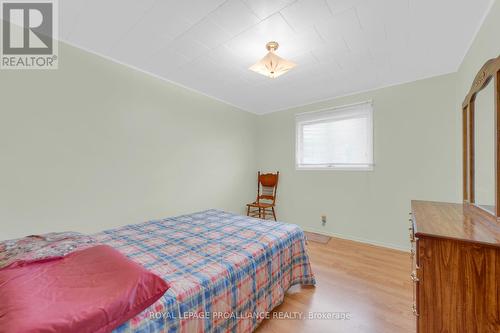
[
  {"x": 411, "y": 228},
  {"x": 456, "y": 263},
  {"x": 413, "y": 243},
  {"x": 414, "y": 275}
]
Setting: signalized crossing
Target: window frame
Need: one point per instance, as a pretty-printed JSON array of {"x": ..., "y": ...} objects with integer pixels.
[{"x": 329, "y": 113}]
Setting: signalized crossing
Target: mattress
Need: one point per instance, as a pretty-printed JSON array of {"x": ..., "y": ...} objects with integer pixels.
[{"x": 225, "y": 271}]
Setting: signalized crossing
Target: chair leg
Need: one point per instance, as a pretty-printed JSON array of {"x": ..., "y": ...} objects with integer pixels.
[
  {"x": 274, "y": 213},
  {"x": 248, "y": 210},
  {"x": 263, "y": 213}
]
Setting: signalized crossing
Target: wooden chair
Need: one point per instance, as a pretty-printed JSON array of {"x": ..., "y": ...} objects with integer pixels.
[{"x": 267, "y": 185}]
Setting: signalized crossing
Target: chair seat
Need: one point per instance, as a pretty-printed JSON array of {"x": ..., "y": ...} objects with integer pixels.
[{"x": 260, "y": 205}]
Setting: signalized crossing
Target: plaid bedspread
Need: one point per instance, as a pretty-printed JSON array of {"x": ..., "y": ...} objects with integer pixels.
[{"x": 225, "y": 271}]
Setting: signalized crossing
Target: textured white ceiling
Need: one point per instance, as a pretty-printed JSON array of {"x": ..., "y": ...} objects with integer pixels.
[{"x": 340, "y": 46}]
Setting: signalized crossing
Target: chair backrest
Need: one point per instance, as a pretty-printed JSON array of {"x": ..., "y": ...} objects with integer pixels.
[{"x": 267, "y": 186}]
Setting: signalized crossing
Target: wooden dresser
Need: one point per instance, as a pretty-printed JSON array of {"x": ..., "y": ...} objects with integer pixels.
[{"x": 456, "y": 269}]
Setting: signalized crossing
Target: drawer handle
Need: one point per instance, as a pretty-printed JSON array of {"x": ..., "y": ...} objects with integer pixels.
[
  {"x": 414, "y": 310},
  {"x": 414, "y": 277},
  {"x": 412, "y": 235}
]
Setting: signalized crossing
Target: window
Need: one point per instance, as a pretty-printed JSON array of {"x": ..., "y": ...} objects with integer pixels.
[{"x": 340, "y": 138}]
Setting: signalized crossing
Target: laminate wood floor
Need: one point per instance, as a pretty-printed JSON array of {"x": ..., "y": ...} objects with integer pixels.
[{"x": 370, "y": 283}]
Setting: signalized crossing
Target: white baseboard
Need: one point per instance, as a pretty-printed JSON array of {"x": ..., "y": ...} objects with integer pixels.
[{"x": 358, "y": 239}]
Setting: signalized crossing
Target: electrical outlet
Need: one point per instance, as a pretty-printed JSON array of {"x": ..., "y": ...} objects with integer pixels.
[{"x": 323, "y": 220}]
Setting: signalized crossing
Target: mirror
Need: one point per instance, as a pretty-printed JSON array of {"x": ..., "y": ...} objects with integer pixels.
[
  {"x": 481, "y": 142},
  {"x": 484, "y": 148}
]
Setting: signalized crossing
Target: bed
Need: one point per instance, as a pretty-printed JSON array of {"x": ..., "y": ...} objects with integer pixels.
[{"x": 225, "y": 271}]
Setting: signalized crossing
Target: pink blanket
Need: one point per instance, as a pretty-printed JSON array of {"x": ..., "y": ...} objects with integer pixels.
[{"x": 91, "y": 290}]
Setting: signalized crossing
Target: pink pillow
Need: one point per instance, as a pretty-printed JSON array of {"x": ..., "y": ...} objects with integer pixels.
[{"x": 92, "y": 290}]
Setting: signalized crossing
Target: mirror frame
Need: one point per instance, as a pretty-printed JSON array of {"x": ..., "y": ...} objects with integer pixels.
[{"x": 490, "y": 71}]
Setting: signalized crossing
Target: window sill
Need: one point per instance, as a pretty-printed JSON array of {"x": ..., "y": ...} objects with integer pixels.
[{"x": 334, "y": 168}]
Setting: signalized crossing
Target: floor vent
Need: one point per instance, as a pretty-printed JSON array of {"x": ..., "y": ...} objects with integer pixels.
[{"x": 318, "y": 238}]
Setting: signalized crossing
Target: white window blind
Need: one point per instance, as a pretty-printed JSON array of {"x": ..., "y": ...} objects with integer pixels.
[{"x": 340, "y": 138}]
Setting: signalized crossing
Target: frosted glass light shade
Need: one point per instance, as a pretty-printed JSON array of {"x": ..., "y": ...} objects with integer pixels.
[{"x": 272, "y": 65}]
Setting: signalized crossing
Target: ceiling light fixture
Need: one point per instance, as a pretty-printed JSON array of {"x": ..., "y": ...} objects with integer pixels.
[{"x": 272, "y": 65}]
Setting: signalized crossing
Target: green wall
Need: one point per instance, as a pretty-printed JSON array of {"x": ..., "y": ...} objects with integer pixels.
[
  {"x": 415, "y": 133},
  {"x": 95, "y": 144}
]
